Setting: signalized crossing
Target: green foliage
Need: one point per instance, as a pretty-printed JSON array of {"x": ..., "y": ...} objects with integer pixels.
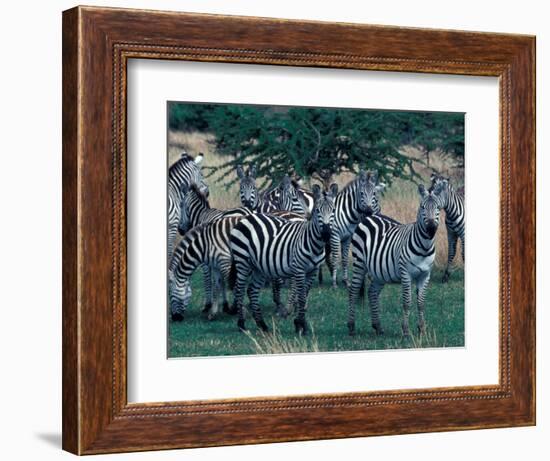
[{"x": 319, "y": 143}]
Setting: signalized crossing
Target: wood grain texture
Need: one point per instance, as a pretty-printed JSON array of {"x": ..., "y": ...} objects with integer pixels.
[{"x": 97, "y": 43}]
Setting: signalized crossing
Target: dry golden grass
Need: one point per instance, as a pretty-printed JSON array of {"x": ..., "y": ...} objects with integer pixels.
[{"x": 400, "y": 200}]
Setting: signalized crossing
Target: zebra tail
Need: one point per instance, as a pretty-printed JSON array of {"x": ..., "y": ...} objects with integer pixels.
[{"x": 232, "y": 280}]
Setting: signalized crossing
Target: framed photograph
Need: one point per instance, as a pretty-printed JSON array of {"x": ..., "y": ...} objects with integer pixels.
[{"x": 264, "y": 230}]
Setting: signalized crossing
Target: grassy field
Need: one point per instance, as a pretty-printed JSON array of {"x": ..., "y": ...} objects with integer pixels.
[
  {"x": 327, "y": 312},
  {"x": 327, "y": 316}
]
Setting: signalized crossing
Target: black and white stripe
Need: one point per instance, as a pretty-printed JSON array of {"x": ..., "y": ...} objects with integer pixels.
[
  {"x": 185, "y": 171},
  {"x": 195, "y": 209},
  {"x": 358, "y": 198},
  {"x": 290, "y": 196},
  {"x": 207, "y": 246},
  {"x": 250, "y": 195},
  {"x": 268, "y": 247},
  {"x": 389, "y": 252},
  {"x": 455, "y": 218}
]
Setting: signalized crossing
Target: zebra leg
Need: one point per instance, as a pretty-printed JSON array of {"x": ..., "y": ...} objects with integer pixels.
[
  {"x": 238, "y": 294},
  {"x": 207, "y": 276},
  {"x": 357, "y": 280},
  {"x": 463, "y": 240},
  {"x": 216, "y": 287},
  {"x": 256, "y": 284},
  {"x": 374, "y": 302},
  {"x": 224, "y": 276},
  {"x": 421, "y": 285},
  {"x": 300, "y": 302},
  {"x": 345, "y": 260},
  {"x": 451, "y": 239},
  {"x": 335, "y": 249},
  {"x": 280, "y": 309},
  {"x": 406, "y": 299}
]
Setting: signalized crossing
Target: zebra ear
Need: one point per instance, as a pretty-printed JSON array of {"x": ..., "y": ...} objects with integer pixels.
[
  {"x": 422, "y": 191},
  {"x": 374, "y": 176},
  {"x": 316, "y": 192},
  {"x": 334, "y": 189},
  {"x": 240, "y": 172},
  {"x": 199, "y": 158},
  {"x": 363, "y": 175},
  {"x": 252, "y": 172}
]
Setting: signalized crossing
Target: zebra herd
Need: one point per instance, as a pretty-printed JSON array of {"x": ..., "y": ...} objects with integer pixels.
[{"x": 288, "y": 232}]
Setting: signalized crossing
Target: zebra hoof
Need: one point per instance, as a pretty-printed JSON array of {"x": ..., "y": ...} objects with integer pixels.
[
  {"x": 351, "y": 328},
  {"x": 422, "y": 330},
  {"x": 226, "y": 307},
  {"x": 241, "y": 325},
  {"x": 206, "y": 308},
  {"x": 378, "y": 329},
  {"x": 177, "y": 317},
  {"x": 446, "y": 277},
  {"x": 282, "y": 312},
  {"x": 301, "y": 326},
  {"x": 211, "y": 317},
  {"x": 263, "y": 326}
]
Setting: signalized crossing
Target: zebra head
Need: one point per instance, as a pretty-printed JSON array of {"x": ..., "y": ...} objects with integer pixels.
[
  {"x": 442, "y": 187},
  {"x": 195, "y": 172},
  {"x": 368, "y": 190},
  {"x": 179, "y": 293},
  {"x": 248, "y": 192},
  {"x": 428, "y": 211},
  {"x": 322, "y": 215}
]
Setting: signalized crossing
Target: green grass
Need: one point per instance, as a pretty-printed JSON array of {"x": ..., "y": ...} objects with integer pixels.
[{"x": 327, "y": 317}]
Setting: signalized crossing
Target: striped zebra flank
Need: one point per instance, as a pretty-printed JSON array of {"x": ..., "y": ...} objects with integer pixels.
[
  {"x": 184, "y": 172},
  {"x": 389, "y": 252},
  {"x": 358, "y": 198},
  {"x": 206, "y": 245},
  {"x": 266, "y": 247},
  {"x": 455, "y": 218}
]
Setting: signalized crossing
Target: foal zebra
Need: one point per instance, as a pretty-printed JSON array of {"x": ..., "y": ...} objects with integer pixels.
[
  {"x": 455, "y": 218},
  {"x": 185, "y": 171},
  {"x": 389, "y": 252},
  {"x": 267, "y": 247},
  {"x": 205, "y": 245},
  {"x": 359, "y": 197}
]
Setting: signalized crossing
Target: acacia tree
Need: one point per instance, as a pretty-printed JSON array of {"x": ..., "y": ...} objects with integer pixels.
[{"x": 313, "y": 143}]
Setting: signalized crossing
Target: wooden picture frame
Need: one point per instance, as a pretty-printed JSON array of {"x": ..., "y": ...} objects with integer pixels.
[{"x": 97, "y": 43}]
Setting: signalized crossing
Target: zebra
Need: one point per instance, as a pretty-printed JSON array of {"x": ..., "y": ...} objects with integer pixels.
[
  {"x": 185, "y": 171},
  {"x": 205, "y": 245},
  {"x": 389, "y": 252},
  {"x": 268, "y": 247},
  {"x": 290, "y": 196},
  {"x": 195, "y": 209},
  {"x": 357, "y": 198},
  {"x": 455, "y": 219},
  {"x": 249, "y": 194}
]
